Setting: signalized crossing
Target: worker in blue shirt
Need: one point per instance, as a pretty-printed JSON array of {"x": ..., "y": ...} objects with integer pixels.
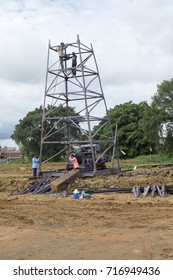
[{"x": 35, "y": 162}]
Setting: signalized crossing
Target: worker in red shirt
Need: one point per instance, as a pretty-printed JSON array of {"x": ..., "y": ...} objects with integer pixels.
[{"x": 74, "y": 161}]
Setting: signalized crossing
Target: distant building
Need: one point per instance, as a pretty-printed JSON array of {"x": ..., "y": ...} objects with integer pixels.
[{"x": 7, "y": 153}]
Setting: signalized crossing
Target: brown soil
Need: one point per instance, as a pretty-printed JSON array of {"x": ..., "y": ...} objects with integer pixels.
[{"x": 104, "y": 226}]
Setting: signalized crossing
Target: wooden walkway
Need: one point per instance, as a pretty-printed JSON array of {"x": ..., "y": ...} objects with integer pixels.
[{"x": 74, "y": 173}]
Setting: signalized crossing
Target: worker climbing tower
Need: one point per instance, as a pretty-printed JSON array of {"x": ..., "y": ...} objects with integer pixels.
[{"x": 74, "y": 105}]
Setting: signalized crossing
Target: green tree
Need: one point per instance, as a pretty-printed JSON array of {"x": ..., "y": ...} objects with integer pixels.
[
  {"x": 152, "y": 124},
  {"x": 27, "y": 132},
  {"x": 163, "y": 102},
  {"x": 130, "y": 133},
  {"x": 163, "y": 98}
]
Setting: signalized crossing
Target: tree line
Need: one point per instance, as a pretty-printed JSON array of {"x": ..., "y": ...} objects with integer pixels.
[{"x": 141, "y": 128}]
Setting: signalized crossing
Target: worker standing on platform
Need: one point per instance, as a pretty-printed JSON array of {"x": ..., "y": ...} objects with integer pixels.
[
  {"x": 62, "y": 54},
  {"x": 74, "y": 161},
  {"x": 74, "y": 63},
  {"x": 35, "y": 162}
]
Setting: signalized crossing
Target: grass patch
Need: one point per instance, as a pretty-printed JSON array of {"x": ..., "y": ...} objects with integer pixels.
[
  {"x": 145, "y": 159},
  {"x": 152, "y": 159}
]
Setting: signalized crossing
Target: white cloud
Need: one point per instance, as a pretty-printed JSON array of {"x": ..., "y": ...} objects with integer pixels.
[{"x": 132, "y": 41}]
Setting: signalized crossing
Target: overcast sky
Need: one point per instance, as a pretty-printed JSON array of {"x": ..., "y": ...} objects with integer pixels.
[{"x": 132, "y": 41}]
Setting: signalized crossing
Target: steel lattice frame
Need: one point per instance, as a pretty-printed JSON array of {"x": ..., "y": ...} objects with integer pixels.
[{"x": 83, "y": 91}]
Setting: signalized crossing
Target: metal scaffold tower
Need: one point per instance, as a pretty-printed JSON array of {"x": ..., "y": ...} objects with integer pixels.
[{"x": 73, "y": 81}]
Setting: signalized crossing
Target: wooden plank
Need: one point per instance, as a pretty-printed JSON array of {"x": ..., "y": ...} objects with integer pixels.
[{"x": 74, "y": 173}]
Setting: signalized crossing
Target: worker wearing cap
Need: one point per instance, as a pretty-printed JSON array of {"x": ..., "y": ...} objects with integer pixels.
[{"x": 74, "y": 161}]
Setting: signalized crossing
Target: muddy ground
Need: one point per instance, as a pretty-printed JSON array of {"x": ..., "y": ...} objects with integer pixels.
[{"x": 111, "y": 226}]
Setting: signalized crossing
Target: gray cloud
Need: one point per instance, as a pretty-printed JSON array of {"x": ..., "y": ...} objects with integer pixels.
[{"x": 132, "y": 41}]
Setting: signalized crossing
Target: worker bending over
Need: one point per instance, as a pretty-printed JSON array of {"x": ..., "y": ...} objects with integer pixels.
[{"x": 74, "y": 161}]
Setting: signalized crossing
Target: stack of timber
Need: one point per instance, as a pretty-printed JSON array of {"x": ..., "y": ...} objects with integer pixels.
[
  {"x": 168, "y": 189},
  {"x": 42, "y": 186}
]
